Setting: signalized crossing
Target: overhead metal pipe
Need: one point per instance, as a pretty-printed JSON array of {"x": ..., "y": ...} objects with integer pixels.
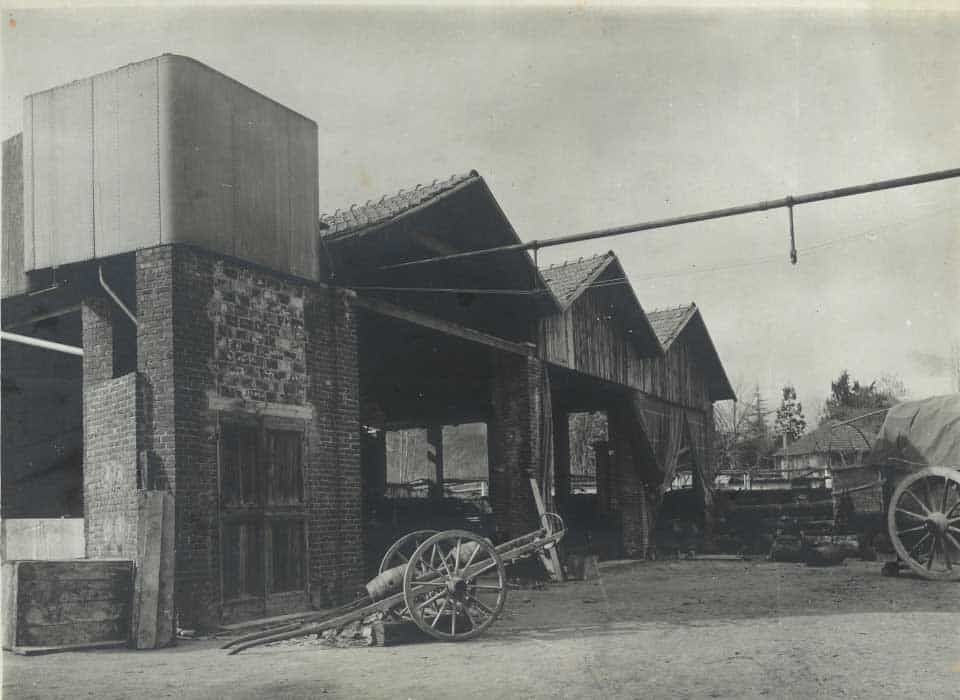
[
  {"x": 39, "y": 343},
  {"x": 37, "y": 318},
  {"x": 113, "y": 295},
  {"x": 693, "y": 218}
]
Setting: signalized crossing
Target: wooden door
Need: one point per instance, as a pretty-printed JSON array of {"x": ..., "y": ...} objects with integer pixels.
[{"x": 264, "y": 556}]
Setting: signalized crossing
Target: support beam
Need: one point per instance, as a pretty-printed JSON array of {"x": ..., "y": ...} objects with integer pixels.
[
  {"x": 561, "y": 450},
  {"x": 435, "y": 455},
  {"x": 385, "y": 308}
]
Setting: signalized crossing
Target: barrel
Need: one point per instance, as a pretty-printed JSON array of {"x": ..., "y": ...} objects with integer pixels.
[{"x": 387, "y": 583}]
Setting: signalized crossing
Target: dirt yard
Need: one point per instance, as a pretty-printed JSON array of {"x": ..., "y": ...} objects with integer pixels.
[{"x": 681, "y": 629}]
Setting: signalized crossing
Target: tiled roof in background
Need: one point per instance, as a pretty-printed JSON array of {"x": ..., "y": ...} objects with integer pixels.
[
  {"x": 668, "y": 323},
  {"x": 828, "y": 438},
  {"x": 373, "y": 213},
  {"x": 567, "y": 279}
]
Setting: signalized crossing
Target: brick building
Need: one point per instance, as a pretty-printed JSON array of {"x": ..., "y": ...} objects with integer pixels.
[{"x": 246, "y": 354}]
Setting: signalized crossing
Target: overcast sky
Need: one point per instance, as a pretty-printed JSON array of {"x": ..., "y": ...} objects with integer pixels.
[{"x": 580, "y": 119}]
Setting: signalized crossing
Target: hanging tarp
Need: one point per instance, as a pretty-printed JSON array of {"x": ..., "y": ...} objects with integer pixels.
[{"x": 920, "y": 433}]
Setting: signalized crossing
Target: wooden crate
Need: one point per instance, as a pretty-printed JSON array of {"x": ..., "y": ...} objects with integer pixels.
[{"x": 54, "y": 605}]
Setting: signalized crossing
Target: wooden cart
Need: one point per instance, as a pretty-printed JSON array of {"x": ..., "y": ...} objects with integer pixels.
[
  {"x": 918, "y": 449},
  {"x": 451, "y": 584}
]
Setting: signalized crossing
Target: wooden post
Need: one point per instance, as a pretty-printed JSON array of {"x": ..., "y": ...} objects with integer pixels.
[
  {"x": 561, "y": 444},
  {"x": 435, "y": 441},
  {"x": 550, "y": 559}
]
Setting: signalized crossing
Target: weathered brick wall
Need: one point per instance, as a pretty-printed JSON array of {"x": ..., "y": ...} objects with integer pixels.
[
  {"x": 332, "y": 469},
  {"x": 110, "y": 467},
  {"x": 632, "y": 497},
  {"x": 215, "y": 333},
  {"x": 513, "y": 438},
  {"x": 260, "y": 336}
]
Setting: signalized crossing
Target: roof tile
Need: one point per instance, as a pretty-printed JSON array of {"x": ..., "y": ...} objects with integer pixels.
[
  {"x": 828, "y": 438},
  {"x": 362, "y": 216},
  {"x": 667, "y": 323},
  {"x": 567, "y": 279}
]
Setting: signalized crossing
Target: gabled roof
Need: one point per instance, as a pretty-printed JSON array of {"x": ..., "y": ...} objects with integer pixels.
[
  {"x": 570, "y": 279},
  {"x": 827, "y": 438},
  {"x": 669, "y": 324},
  {"x": 454, "y": 215},
  {"x": 361, "y": 217}
]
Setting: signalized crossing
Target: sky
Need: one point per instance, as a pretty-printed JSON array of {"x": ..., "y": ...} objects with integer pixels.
[{"x": 587, "y": 117}]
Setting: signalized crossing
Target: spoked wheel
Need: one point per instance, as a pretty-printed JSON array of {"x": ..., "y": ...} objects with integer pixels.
[
  {"x": 924, "y": 522},
  {"x": 401, "y": 550},
  {"x": 455, "y": 585},
  {"x": 399, "y": 555}
]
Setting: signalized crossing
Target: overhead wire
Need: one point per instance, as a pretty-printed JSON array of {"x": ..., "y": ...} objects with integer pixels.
[{"x": 764, "y": 260}]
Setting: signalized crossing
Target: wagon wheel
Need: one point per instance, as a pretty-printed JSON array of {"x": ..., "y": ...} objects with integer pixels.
[
  {"x": 455, "y": 585},
  {"x": 924, "y": 522},
  {"x": 399, "y": 554},
  {"x": 401, "y": 550}
]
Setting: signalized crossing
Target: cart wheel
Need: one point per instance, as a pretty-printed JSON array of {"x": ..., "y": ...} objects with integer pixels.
[
  {"x": 455, "y": 585},
  {"x": 401, "y": 550},
  {"x": 924, "y": 522}
]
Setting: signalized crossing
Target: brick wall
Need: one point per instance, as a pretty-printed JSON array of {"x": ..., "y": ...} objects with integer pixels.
[
  {"x": 333, "y": 473},
  {"x": 110, "y": 480},
  {"x": 632, "y": 497},
  {"x": 109, "y": 440},
  {"x": 260, "y": 336},
  {"x": 513, "y": 438},
  {"x": 219, "y": 336}
]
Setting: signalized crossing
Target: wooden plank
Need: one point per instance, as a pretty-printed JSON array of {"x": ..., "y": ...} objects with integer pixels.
[
  {"x": 387, "y": 309},
  {"x": 166, "y": 629},
  {"x": 146, "y": 598},
  {"x": 551, "y": 561},
  {"x": 89, "y": 570},
  {"x": 78, "y": 632},
  {"x": 74, "y": 591},
  {"x": 37, "y": 651},
  {"x": 10, "y": 579},
  {"x": 34, "y": 613}
]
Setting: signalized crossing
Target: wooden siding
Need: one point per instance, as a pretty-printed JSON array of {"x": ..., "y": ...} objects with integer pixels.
[{"x": 591, "y": 337}]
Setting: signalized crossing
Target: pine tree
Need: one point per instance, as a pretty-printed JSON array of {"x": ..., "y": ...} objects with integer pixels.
[{"x": 790, "y": 420}]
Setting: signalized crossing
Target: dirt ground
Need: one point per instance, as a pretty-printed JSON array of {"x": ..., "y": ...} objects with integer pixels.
[{"x": 679, "y": 629}]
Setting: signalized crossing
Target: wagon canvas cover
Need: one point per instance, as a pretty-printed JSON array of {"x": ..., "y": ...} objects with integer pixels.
[{"x": 920, "y": 433}]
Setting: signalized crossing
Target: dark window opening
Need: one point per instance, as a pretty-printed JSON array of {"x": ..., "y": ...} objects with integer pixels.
[
  {"x": 239, "y": 455},
  {"x": 242, "y": 560},
  {"x": 288, "y": 556}
]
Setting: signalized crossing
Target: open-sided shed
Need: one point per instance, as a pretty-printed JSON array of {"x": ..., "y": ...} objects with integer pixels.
[{"x": 248, "y": 363}]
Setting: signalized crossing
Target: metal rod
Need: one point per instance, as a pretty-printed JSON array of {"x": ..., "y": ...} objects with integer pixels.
[
  {"x": 693, "y": 218},
  {"x": 37, "y": 318},
  {"x": 39, "y": 343},
  {"x": 113, "y": 295}
]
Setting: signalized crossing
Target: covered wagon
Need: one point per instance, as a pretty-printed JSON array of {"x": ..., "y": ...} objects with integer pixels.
[{"x": 918, "y": 454}]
